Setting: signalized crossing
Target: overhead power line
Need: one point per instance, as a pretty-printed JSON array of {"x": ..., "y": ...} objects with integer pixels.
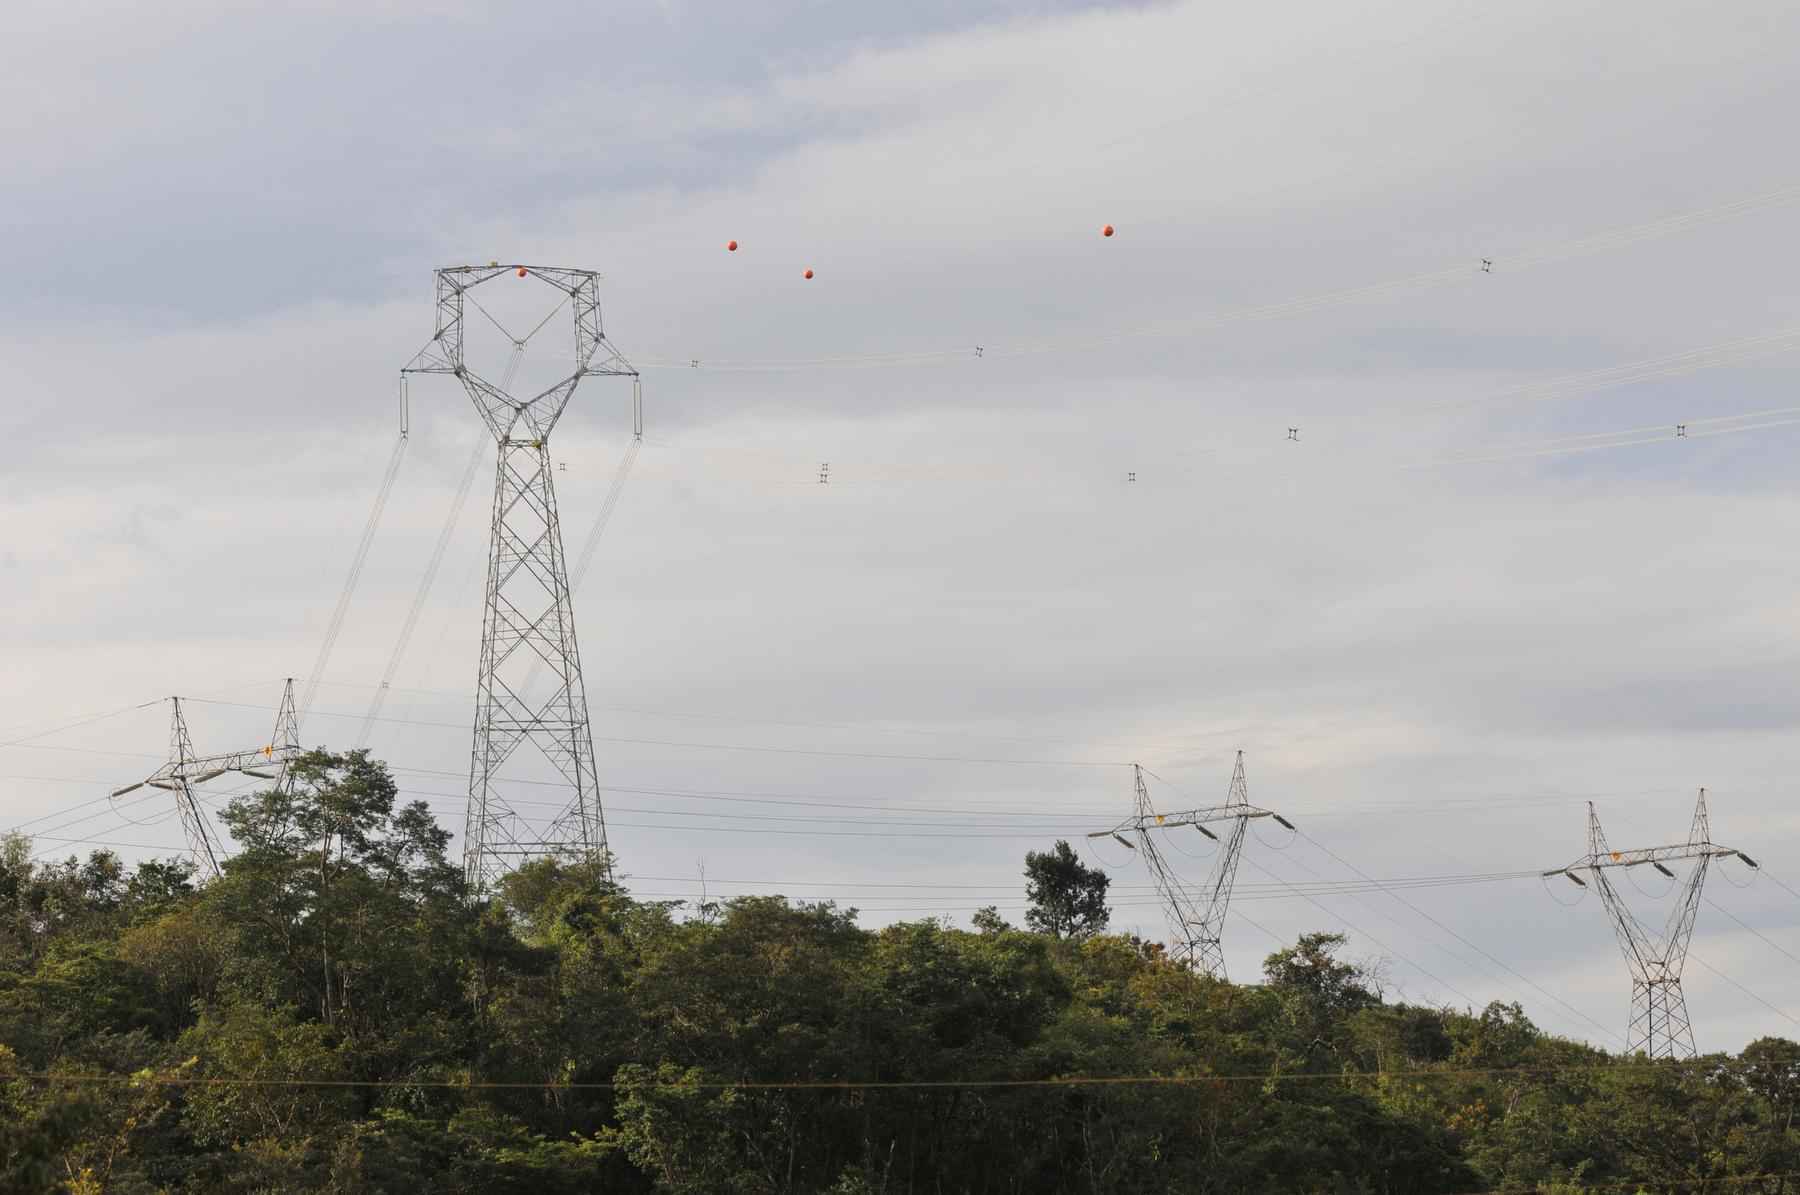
[
  {"x": 892, "y": 806},
  {"x": 1712, "y": 356},
  {"x": 1068, "y": 763},
  {"x": 86, "y": 720},
  {"x": 1748, "y": 928},
  {"x": 335, "y": 625},
  {"x": 1693, "y": 429},
  {"x": 1603, "y": 241},
  {"x": 1146, "y": 898},
  {"x": 1779, "y": 883},
  {"x": 1353, "y": 928},
  {"x": 1780, "y": 1012},
  {"x": 1196, "y": 918},
  {"x": 591, "y": 543},
  {"x": 1659, "y": 1023},
  {"x": 458, "y": 500},
  {"x": 1390, "y": 890},
  {"x": 1012, "y": 884},
  {"x": 1542, "y": 1072},
  {"x": 739, "y": 719},
  {"x": 1501, "y": 450}
]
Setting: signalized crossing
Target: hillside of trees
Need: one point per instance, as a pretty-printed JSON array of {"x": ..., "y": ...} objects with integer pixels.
[{"x": 335, "y": 1014}]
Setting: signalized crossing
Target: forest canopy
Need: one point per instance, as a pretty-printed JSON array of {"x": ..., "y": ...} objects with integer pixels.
[{"x": 336, "y": 1013}]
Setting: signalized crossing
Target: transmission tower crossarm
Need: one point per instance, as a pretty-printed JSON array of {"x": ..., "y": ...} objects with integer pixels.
[
  {"x": 185, "y": 769},
  {"x": 1652, "y": 855},
  {"x": 528, "y": 618},
  {"x": 210, "y": 767},
  {"x": 1659, "y": 1025},
  {"x": 1196, "y": 918},
  {"x": 199, "y": 769},
  {"x": 1195, "y": 817}
]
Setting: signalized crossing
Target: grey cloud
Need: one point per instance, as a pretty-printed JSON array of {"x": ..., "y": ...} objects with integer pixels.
[
  {"x": 233, "y": 161},
  {"x": 1435, "y": 662}
]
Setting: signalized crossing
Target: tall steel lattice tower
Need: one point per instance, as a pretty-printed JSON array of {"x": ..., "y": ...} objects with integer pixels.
[
  {"x": 528, "y": 623},
  {"x": 1659, "y": 1017},
  {"x": 1196, "y": 917}
]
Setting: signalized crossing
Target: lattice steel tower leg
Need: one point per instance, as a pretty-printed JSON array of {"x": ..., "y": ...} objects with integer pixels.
[
  {"x": 184, "y": 770},
  {"x": 180, "y": 782},
  {"x": 1659, "y": 1017},
  {"x": 1218, "y": 894},
  {"x": 284, "y": 744},
  {"x": 528, "y": 623},
  {"x": 1196, "y": 918}
]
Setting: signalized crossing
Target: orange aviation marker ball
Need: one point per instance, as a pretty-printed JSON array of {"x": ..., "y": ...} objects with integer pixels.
[
  {"x": 1107, "y": 231},
  {"x": 808, "y": 274},
  {"x": 731, "y": 245},
  {"x": 521, "y": 271}
]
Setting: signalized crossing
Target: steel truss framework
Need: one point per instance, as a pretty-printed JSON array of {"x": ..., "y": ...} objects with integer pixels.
[
  {"x": 1196, "y": 918},
  {"x": 185, "y": 770},
  {"x": 1659, "y": 1017},
  {"x": 528, "y": 624}
]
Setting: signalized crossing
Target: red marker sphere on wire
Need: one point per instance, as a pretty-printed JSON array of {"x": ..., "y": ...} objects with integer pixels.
[
  {"x": 731, "y": 246},
  {"x": 808, "y": 273},
  {"x": 521, "y": 271},
  {"x": 1107, "y": 231}
]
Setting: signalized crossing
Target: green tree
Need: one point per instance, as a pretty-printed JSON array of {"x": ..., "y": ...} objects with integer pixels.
[
  {"x": 1318, "y": 991},
  {"x": 1068, "y": 898},
  {"x": 988, "y": 920},
  {"x": 335, "y": 1013},
  {"x": 341, "y": 902},
  {"x": 688, "y": 1137}
]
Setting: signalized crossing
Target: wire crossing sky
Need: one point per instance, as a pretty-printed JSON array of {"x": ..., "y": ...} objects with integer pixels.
[{"x": 1524, "y": 547}]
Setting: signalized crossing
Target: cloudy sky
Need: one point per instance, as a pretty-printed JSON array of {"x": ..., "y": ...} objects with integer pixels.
[{"x": 1436, "y": 623}]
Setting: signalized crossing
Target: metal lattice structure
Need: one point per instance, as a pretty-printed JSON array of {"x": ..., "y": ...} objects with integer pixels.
[
  {"x": 186, "y": 770},
  {"x": 1196, "y": 916},
  {"x": 528, "y": 623},
  {"x": 1659, "y": 1027}
]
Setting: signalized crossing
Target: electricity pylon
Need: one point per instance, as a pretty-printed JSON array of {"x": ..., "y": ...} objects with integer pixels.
[
  {"x": 528, "y": 620},
  {"x": 185, "y": 770},
  {"x": 1197, "y": 919},
  {"x": 1659, "y": 1017}
]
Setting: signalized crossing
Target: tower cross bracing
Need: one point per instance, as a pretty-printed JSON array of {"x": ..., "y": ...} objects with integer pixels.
[
  {"x": 1196, "y": 916},
  {"x": 186, "y": 770},
  {"x": 1659, "y": 1026},
  {"x": 528, "y": 623}
]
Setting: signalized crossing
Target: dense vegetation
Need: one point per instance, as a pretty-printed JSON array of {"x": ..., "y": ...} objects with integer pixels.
[{"x": 334, "y": 1014}]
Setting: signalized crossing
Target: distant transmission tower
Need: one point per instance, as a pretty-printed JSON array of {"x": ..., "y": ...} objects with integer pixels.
[
  {"x": 186, "y": 770},
  {"x": 1659, "y": 1017},
  {"x": 528, "y": 621},
  {"x": 1197, "y": 918}
]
